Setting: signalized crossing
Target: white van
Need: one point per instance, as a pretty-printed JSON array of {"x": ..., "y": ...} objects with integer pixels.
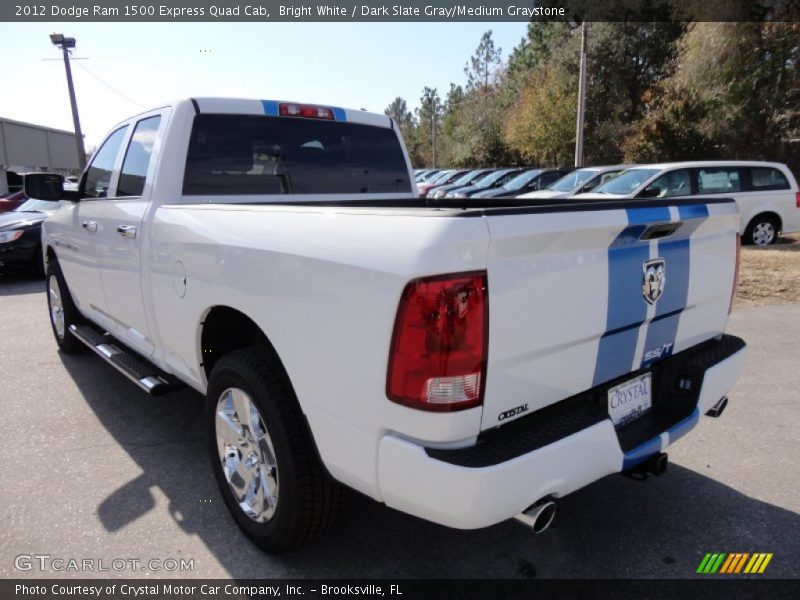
[{"x": 766, "y": 193}]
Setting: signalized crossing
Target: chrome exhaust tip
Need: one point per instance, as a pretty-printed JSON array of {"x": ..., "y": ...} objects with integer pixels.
[
  {"x": 716, "y": 410},
  {"x": 539, "y": 516}
]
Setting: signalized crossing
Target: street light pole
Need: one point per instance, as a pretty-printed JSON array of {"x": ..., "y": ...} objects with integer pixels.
[
  {"x": 581, "y": 101},
  {"x": 65, "y": 44},
  {"x": 433, "y": 130}
]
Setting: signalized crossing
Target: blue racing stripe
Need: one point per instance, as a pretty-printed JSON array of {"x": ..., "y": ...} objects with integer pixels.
[
  {"x": 631, "y": 458},
  {"x": 626, "y": 310},
  {"x": 270, "y": 108},
  {"x": 648, "y": 215},
  {"x": 662, "y": 331},
  {"x": 693, "y": 211}
]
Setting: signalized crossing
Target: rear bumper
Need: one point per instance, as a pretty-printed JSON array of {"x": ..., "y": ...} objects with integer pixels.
[{"x": 555, "y": 451}]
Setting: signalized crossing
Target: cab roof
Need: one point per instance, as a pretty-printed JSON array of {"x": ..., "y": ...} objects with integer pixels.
[{"x": 241, "y": 106}]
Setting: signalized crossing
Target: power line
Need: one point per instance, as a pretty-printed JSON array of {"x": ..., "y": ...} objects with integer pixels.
[{"x": 116, "y": 91}]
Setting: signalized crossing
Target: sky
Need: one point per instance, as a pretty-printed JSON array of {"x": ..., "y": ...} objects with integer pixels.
[{"x": 131, "y": 67}]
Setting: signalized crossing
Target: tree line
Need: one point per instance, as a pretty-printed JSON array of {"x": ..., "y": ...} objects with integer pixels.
[{"x": 656, "y": 91}]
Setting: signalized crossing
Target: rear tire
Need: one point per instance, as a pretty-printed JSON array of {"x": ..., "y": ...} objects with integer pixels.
[
  {"x": 762, "y": 231},
  {"x": 63, "y": 311},
  {"x": 263, "y": 455}
]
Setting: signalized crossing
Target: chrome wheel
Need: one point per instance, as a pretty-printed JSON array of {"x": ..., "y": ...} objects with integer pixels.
[
  {"x": 56, "y": 306},
  {"x": 247, "y": 455},
  {"x": 763, "y": 233}
]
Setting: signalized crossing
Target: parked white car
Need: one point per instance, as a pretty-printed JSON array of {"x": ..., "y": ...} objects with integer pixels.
[
  {"x": 765, "y": 192},
  {"x": 579, "y": 181}
]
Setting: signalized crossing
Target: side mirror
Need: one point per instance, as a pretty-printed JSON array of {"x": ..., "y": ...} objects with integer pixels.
[
  {"x": 650, "y": 192},
  {"x": 44, "y": 186}
]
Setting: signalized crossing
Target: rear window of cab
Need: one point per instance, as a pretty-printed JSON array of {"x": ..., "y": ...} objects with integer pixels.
[{"x": 252, "y": 154}]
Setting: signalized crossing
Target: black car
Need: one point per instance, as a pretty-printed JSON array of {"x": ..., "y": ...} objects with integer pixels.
[
  {"x": 493, "y": 180},
  {"x": 463, "y": 181},
  {"x": 527, "y": 181},
  {"x": 21, "y": 236}
]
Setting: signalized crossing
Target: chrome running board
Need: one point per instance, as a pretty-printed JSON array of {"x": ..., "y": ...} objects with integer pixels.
[{"x": 139, "y": 371}]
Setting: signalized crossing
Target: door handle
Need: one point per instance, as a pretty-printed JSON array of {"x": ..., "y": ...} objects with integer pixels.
[
  {"x": 662, "y": 230},
  {"x": 89, "y": 225},
  {"x": 127, "y": 231}
]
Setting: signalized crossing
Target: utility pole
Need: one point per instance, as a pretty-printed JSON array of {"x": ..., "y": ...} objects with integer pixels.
[
  {"x": 581, "y": 101},
  {"x": 65, "y": 43},
  {"x": 433, "y": 129}
]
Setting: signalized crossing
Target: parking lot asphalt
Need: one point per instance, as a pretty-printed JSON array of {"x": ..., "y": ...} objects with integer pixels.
[{"x": 96, "y": 469}]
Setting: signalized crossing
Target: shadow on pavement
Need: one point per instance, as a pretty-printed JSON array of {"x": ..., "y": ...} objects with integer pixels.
[
  {"x": 616, "y": 528},
  {"x": 18, "y": 284}
]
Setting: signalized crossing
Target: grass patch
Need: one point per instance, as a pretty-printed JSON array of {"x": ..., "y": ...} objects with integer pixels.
[{"x": 770, "y": 275}]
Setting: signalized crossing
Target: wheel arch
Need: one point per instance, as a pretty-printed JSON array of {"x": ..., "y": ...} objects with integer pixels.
[
  {"x": 224, "y": 329},
  {"x": 766, "y": 213},
  {"x": 49, "y": 254}
]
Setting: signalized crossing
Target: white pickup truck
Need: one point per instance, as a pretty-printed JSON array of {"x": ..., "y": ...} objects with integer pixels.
[{"x": 464, "y": 361}]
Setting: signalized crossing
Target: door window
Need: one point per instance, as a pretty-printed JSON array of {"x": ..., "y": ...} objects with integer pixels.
[
  {"x": 137, "y": 157},
  {"x": 98, "y": 176},
  {"x": 674, "y": 183}
]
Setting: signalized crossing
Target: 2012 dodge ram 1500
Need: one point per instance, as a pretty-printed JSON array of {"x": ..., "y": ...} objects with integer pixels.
[{"x": 459, "y": 362}]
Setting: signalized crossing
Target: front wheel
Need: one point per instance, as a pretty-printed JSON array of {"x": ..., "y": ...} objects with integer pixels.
[
  {"x": 762, "y": 231},
  {"x": 263, "y": 456},
  {"x": 63, "y": 311}
]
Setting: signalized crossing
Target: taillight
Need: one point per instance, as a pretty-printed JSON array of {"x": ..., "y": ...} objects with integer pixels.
[
  {"x": 437, "y": 360},
  {"x": 307, "y": 111},
  {"x": 736, "y": 271},
  {"x": 797, "y": 199}
]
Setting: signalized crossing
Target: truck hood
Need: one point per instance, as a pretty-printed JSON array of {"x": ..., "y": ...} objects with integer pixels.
[
  {"x": 469, "y": 190},
  {"x": 19, "y": 220},
  {"x": 500, "y": 192}
]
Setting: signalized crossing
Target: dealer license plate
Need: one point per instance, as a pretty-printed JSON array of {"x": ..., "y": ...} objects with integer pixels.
[{"x": 630, "y": 400}]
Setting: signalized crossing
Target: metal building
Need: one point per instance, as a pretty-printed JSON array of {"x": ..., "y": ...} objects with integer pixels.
[{"x": 25, "y": 147}]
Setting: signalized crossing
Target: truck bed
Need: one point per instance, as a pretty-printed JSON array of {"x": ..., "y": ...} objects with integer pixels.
[{"x": 475, "y": 207}]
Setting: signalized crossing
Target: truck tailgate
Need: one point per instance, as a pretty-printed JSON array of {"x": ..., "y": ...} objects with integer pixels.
[{"x": 569, "y": 305}]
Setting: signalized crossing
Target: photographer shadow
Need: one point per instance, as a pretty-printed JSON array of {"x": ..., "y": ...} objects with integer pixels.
[{"x": 615, "y": 528}]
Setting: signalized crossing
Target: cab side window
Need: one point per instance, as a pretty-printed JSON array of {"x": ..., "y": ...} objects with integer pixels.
[
  {"x": 98, "y": 176},
  {"x": 674, "y": 183},
  {"x": 137, "y": 157},
  {"x": 718, "y": 180}
]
